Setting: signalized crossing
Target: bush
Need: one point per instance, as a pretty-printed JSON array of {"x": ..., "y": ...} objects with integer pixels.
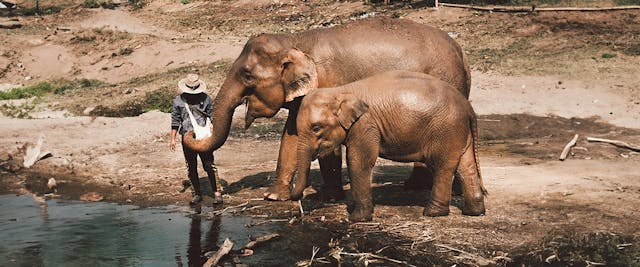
[
  {"x": 56, "y": 87},
  {"x": 161, "y": 99},
  {"x": 137, "y": 4},
  {"x": 27, "y": 91},
  {"x": 99, "y": 3}
]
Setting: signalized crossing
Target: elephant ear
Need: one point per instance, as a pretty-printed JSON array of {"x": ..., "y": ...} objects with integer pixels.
[
  {"x": 350, "y": 109},
  {"x": 299, "y": 74}
]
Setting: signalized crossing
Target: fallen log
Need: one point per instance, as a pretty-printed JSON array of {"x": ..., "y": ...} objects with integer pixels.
[
  {"x": 537, "y": 9},
  {"x": 261, "y": 239},
  {"x": 568, "y": 147},
  {"x": 617, "y": 143},
  {"x": 224, "y": 250}
]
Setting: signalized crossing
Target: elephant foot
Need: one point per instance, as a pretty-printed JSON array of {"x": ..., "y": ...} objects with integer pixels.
[
  {"x": 475, "y": 208},
  {"x": 433, "y": 210},
  {"x": 277, "y": 192},
  {"x": 361, "y": 215},
  {"x": 332, "y": 194}
]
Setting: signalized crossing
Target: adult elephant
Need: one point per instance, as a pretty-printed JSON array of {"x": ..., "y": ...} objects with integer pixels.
[{"x": 276, "y": 70}]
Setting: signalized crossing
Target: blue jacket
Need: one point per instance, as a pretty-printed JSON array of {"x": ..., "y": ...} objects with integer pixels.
[{"x": 200, "y": 105}]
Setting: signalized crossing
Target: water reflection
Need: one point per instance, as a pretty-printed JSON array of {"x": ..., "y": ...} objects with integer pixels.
[
  {"x": 195, "y": 250},
  {"x": 69, "y": 233}
]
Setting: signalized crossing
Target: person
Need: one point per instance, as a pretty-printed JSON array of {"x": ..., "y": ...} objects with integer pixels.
[{"x": 199, "y": 105}]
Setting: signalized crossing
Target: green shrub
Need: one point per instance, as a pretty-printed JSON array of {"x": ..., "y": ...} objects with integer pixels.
[
  {"x": 99, "y": 3},
  {"x": 55, "y": 87},
  {"x": 27, "y": 91},
  {"x": 607, "y": 55},
  {"x": 137, "y": 4},
  {"x": 161, "y": 99}
]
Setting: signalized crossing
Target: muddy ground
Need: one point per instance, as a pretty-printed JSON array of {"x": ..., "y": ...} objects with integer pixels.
[{"x": 538, "y": 79}]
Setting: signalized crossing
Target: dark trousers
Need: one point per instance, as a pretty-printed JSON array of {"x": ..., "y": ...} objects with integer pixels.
[{"x": 191, "y": 157}]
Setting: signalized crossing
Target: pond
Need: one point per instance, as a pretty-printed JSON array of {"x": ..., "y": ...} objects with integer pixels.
[{"x": 73, "y": 233}]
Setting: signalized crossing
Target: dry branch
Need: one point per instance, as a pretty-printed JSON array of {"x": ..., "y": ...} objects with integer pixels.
[
  {"x": 479, "y": 260},
  {"x": 301, "y": 209},
  {"x": 568, "y": 147},
  {"x": 371, "y": 255},
  {"x": 261, "y": 239},
  {"x": 224, "y": 250},
  {"x": 615, "y": 143},
  {"x": 228, "y": 208},
  {"x": 537, "y": 9},
  {"x": 265, "y": 222}
]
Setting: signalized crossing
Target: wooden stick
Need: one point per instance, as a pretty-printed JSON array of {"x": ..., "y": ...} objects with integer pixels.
[
  {"x": 228, "y": 208},
  {"x": 261, "y": 239},
  {"x": 224, "y": 250},
  {"x": 376, "y": 257},
  {"x": 615, "y": 143},
  {"x": 532, "y": 8},
  {"x": 265, "y": 222},
  {"x": 300, "y": 206},
  {"x": 568, "y": 147}
]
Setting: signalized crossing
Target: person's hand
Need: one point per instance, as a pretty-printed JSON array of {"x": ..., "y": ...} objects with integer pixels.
[{"x": 172, "y": 144}]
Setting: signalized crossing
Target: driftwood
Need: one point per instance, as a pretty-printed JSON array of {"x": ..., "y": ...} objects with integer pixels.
[
  {"x": 266, "y": 222},
  {"x": 224, "y": 250},
  {"x": 568, "y": 147},
  {"x": 537, "y": 9},
  {"x": 477, "y": 259},
  {"x": 615, "y": 143},
  {"x": 261, "y": 239},
  {"x": 217, "y": 213},
  {"x": 371, "y": 255}
]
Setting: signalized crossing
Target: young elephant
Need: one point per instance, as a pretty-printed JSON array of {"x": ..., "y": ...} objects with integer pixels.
[{"x": 421, "y": 120}]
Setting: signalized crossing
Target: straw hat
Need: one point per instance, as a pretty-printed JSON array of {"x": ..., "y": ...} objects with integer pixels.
[{"x": 192, "y": 84}]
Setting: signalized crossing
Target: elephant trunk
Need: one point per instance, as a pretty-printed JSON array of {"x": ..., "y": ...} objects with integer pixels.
[
  {"x": 229, "y": 97},
  {"x": 305, "y": 156}
]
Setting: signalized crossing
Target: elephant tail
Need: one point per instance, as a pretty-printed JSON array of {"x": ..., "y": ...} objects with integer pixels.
[{"x": 474, "y": 140}]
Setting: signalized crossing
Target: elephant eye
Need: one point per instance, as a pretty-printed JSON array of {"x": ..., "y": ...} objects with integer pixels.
[
  {"x": 247, "y": 76},
  {"x": 316, "y": 128}
]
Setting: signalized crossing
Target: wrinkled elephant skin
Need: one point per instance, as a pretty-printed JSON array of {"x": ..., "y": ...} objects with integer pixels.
[
  {"x": 398, "y": 115},
  {"x": 275, "y": 70}
]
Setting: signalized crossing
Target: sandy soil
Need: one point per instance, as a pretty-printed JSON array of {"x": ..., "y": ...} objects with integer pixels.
[{"x": 532, "y": 99}]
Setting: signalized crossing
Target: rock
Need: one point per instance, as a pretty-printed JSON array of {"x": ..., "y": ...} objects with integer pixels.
[
  {"x": 5, "y": 5},
  {"x": 64, "y": 29},
  {"x": 32, "y": 153},
  {"x": 91, "y": 197},
  {"x": 88, "y": 110},
  {"x": 52, "y": 184}
]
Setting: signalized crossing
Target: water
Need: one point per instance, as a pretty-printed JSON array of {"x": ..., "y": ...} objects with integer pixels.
[{"x": 72, "y": 233}]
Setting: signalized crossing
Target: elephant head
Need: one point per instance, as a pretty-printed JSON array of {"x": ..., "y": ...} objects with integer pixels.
[
  {"x": 323, "y": 121},
  {"x": 269, "y": 72}
]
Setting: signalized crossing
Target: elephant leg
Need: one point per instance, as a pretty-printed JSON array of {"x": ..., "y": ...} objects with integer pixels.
[
  {"x": 360, "y": 165},
  {"x": 286, "y": 167},
  {"x": 331, "y": 170},
  {"x": 441, "y": 192},
  {"x": 472, "y": 187}
]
